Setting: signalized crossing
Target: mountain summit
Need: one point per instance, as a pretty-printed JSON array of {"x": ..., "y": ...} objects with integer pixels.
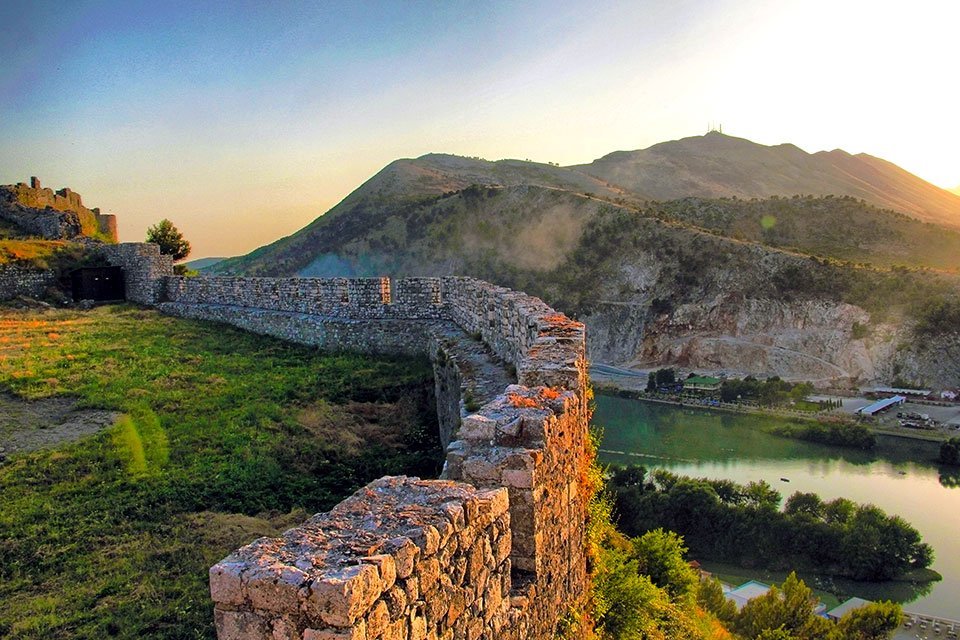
[{"x": 717, "y": 165}]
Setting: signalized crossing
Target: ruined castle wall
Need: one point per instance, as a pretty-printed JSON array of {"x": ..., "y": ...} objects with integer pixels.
[
  {"x": 396, "y": 561},
  {"x": 348, "y": 298},
  {"x": 449, "y": 390},
  {"x": 40, "y": 223},
  {"x": 16, "y": 281},
  {"x": 380, "y": 336},
  {"x": 53, "y": 215}
]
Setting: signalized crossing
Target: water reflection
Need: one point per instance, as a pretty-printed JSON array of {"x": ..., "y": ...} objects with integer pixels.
[{"x": 672, "y": 432}]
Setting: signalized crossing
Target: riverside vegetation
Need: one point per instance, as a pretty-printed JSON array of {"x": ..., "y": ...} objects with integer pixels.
[
  {"x": 743, "y": 524},
  {"x": 772, "y": 393},
  {"x": 644, "y": 587},
  {"x": 225, "y": 436}
]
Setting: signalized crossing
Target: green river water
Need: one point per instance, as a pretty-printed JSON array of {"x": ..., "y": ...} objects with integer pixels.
[{"x": 900, "y": 476}]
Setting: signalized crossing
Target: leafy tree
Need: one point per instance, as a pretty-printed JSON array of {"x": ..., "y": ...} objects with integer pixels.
[
  {"x": 665, "y": 376},
  {"x": 761, "y": 495},
  {"x": 839, "y": 511},
  {"x": 623, "y": 596},
  {"x": 660, "y": 555},
  {"x": 632, "y": 476},
  {"x": 805, "y": 503},
  {"x": 710, "y": 596},
  {"x": 787, "y": 609},
  {"x": 171, "y": 241},
  {"x": 875, "y": 621},
  {"x": 800, "y": 391}
]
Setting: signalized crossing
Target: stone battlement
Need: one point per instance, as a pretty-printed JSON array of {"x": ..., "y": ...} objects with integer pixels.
[
  {"x": 493, "y": 549},
  {"x": 58, "y": 215}
]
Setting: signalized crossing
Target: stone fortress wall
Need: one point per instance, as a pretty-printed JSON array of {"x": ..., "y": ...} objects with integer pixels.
[
  {"x": 53, "y": 215},
  {"x": 15, "y": 282},
  {"x": 495, "y": 548}
]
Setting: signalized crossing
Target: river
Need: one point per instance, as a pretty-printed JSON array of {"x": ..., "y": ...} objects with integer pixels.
[{"x": 900, "y": 476}]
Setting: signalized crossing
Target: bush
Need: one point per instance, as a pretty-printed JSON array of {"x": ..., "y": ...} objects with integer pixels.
[
  {"x": 950, "y": 452},
  {"x": 840, "y": 433}
]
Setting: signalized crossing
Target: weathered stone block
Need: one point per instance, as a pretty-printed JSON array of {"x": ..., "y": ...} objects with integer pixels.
[
  {"x": 405, "y": 554},
  {"x": 240, "y": 625},
  {"x": 478, "y": 428},
  {"x": 358, "y": 632},
  {"x": 226, "y": 585},
  {"x": 387, "y": 568},
  {"x": 342, "y": 596},
  {"x": 274, "y": 588}
]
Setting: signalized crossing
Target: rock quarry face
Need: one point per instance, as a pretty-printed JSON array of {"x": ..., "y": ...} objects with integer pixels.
[{"x": 818, "y": 341}]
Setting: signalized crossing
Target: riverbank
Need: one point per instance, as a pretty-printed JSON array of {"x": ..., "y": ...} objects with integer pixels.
[{"x": 744, "y": 409}]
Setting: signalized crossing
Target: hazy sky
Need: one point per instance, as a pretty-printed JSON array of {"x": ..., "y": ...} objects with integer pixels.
[{"x": 242, "y": 121}]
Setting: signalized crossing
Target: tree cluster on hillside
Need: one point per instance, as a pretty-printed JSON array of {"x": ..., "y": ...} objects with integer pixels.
[
  {"x": 723, "y": 520},
  {"x": 838, "y": 227},
  {"x": 772, "y": 391},
  {"x": 644, "y": 587}
]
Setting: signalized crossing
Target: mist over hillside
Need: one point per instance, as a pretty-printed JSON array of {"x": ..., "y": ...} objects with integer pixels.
[{"x": 825, "y": 288}]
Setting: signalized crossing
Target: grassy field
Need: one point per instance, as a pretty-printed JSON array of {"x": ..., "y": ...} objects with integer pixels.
[{"x": 224, "y": 437}]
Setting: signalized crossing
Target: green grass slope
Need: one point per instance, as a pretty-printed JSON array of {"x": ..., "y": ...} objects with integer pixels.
[{"x": 223, "y": 433}]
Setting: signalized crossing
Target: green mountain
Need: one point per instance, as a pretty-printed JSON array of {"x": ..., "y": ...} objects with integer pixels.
[{"x": 201, "y": 264}]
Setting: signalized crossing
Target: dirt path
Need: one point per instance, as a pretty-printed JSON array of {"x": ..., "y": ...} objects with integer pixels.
[{"x": 26, "y": 425}]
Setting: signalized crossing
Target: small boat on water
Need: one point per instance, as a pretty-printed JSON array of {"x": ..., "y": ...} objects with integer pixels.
[{"x": 784, "y": 479}]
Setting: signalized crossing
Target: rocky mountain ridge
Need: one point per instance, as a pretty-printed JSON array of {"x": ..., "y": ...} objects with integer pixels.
[{"x": 717, "y": 166}]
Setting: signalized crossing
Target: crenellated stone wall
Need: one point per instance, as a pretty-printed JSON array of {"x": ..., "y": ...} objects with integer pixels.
[{"x": 495, "y": 548}]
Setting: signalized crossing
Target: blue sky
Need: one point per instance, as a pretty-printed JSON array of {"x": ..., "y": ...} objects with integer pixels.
[{"x": 256, "y": 117}]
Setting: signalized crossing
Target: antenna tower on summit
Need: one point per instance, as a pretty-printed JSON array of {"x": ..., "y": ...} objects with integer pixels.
[{"x": 714, "y": 127}]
